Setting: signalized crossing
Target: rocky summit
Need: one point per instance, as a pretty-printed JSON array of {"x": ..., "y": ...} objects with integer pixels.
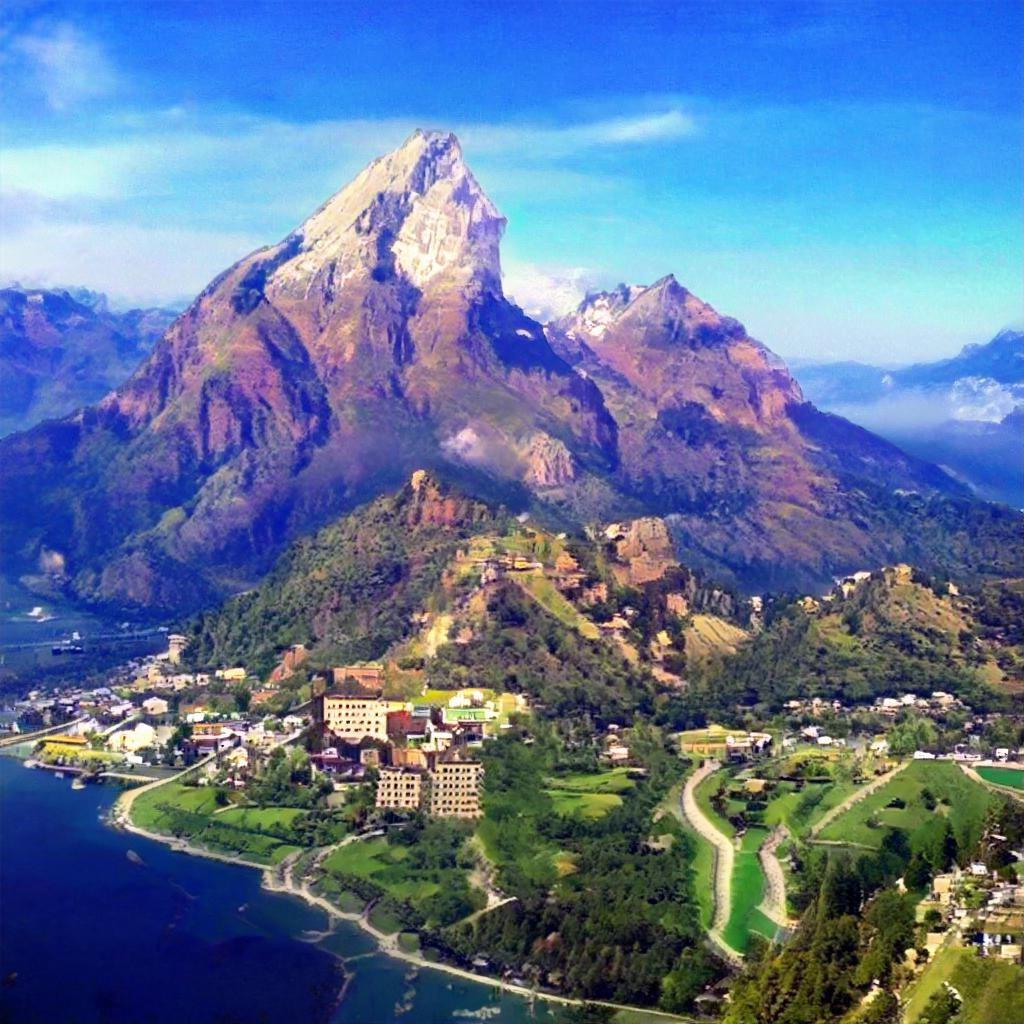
[{"x": 376, "y": 338}]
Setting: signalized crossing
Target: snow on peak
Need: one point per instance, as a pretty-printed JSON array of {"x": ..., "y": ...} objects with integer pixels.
[{"x": 421, "y": 203}]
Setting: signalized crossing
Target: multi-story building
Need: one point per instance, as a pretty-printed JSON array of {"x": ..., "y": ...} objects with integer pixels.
[
  {"x": 176, "y": 644},
  {"x": 400, "y": 788},
  {"x": 353, "y": 718},
  {"x": 455, "y": 789}
]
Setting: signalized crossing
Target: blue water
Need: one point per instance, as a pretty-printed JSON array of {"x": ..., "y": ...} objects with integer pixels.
[{"x": 89, "y": 935}]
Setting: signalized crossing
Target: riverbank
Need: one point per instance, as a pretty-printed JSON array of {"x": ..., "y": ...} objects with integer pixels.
[{"x": 280, "y": 879}]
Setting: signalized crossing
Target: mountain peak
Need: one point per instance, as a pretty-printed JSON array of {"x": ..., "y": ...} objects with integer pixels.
[{"x": 417, "y": 211}]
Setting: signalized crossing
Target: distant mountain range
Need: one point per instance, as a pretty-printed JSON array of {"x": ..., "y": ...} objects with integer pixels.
[
  {"x": 376, "y": 339},
  {"x": 964, "y": 413},
  {"x": 61, "y": 349}
]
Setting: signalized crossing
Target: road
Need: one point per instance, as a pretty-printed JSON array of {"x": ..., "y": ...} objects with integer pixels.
[
  {"x": 774, "y": 903},
  {"x": 724, "y": 856}
]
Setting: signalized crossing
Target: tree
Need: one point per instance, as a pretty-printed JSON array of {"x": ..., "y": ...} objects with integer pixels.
[{"x": 691, "y": 975}]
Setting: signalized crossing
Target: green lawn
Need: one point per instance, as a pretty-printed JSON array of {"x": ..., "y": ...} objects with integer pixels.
[
  {"x": 386, "y": 865},
  {"x": 538, "y": 861},
  {"x": 261, "y": 819},
  {"x": 702, "y": 794},
  {"x": 589, "y": 795},
  {"x": 746, "y": 894},
  {"x": 188, "y": 812},
  {"x": 962, "y": 800},
  {"x": 992, "y": 991},
  {"x": 1012, "y": 777}
]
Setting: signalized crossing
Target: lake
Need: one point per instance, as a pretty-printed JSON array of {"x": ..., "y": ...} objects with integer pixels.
[{"x": 102, "y": 927}]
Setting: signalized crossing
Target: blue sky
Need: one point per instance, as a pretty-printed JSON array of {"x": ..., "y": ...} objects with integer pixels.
[{"x": 845, "y": 178}]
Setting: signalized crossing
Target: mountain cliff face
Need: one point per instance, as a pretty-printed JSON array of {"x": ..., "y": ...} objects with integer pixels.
[
  {"x": 375, "y": 338},
  {"x": 60, "y": 350}
]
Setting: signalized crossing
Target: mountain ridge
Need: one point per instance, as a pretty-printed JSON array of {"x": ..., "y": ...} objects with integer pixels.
[
  {"x": 63, "y": 348},
  {"x": 375, "y": 339}
]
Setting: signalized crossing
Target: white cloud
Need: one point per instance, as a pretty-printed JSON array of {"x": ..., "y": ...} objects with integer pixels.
[
  {"x": 544, "y": 142},
  {"x": 158, "y": 204},
  {"x": 64, "y": 65},
  {"x": 546, "y": 292},
  {"x": 133, "y": 265}
]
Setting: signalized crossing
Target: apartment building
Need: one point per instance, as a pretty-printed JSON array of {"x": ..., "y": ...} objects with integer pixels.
[
  {"x": 455, "y": 789},
  {"x": 400, "y": 788},
  {"x": 352, "y": 718}
]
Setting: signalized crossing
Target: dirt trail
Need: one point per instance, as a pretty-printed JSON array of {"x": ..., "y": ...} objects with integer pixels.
[
  {"x": 774, "y": 903},
  {"x": 725, "y": 854}
]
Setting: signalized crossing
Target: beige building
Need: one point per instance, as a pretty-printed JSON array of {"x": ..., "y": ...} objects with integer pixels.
[
  {"x": 400, "y": 788},
  {"x": 352, "y": 718},
  {"x": 127, "y": 741},
  {"x": 176, "y": 644},
  {"x": 155, "y": 706},
  {"x": 455, "y": 789}
]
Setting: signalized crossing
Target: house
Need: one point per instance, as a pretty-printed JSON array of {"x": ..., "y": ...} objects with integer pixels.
[
  {"x": 923, "y": 755},
  {"x": 464, "y": 715},
  {"x": 942, "y": 889},
  {"x": 617, "y": 753},
  {"x": 193, "y": 713},
  {"x": 154, "y": 706},
  {"x": 231, "y": 675},
  {"x": 368, "y": 676},
  {"x": 128, "y": 741},
  {"x": 212, "y": 738}
]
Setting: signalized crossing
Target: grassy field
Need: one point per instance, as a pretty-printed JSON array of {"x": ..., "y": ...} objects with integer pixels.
[
  {"x": 992, "y": 991},
  {"x": 784, "y": 806},
  {"x": 1012, "y": 777},
  {"x": 544, "y": 592},
  {"x": 589, "y": 795},
  {"x": 702, "y": 795},
  {"x": 261, "y": 819},
  {"x": 960, "y": 799},
  {"x": 189, "y": 812},
  {"x": 380, "y": 863},
  {"x": 746, "y": 894},
  {"x": 541, "y": 862}
]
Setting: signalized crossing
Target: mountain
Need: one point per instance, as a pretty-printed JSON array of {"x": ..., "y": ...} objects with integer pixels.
[
  {"x": 961, "y": 413},
  {"x": 375, "y": 339},
  {"x": 895, "y": 632},
  {"x": 63, "y": 349}
]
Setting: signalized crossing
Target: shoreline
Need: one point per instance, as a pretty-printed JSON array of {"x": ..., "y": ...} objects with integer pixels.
[{"x": 119, "y": 817}]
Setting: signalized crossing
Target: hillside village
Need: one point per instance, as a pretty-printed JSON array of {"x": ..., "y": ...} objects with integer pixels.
[{"x": 534, "y": 692}]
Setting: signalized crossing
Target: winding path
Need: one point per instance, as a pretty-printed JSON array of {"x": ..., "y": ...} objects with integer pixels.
[
  {"x": 773, "y": 905},
  {"x": 724, "y": 852}
]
